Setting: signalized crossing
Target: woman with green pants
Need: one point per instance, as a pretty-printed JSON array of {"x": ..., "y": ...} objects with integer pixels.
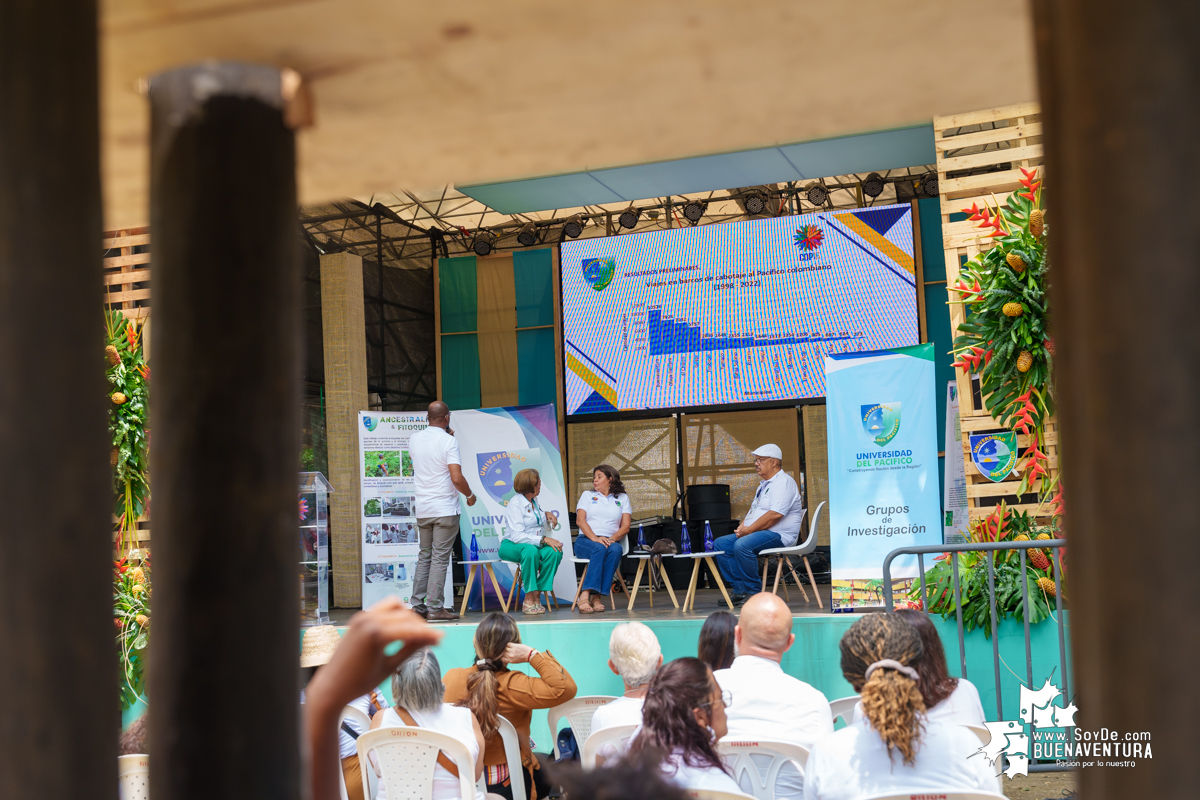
[{"x": 523, "y": 540}]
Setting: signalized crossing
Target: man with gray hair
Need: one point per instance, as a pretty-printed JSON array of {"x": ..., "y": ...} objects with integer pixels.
[
  {"x": 635, "y": 655},
  {"x": 774, "y": 520}
]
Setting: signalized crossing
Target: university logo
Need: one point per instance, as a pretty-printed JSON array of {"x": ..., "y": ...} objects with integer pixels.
[
  {"x": 599, "y": 272},
  {"x": 881, "y": 422},
  {"x": 369, "y": 423},
  {"x": 496, "y": 472},
  {"x": 809, "y": 237},
  {"x": 995, "y": 454}
]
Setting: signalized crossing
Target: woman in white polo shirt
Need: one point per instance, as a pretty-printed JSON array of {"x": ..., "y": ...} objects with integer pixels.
[{"x": 603, "y": 517}]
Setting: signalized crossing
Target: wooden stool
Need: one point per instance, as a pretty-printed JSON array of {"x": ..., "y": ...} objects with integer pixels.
[
  {"x": 689, "y": 601},
  {"x": 473, "y": 568},
  {"x": 642, "y": 559},
  {"x": 517, "y": 582}
]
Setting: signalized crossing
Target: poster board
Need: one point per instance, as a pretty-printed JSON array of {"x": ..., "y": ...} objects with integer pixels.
[{"x": 954, "y": 500}]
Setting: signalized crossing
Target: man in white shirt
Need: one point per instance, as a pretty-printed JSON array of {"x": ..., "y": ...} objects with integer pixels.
[
  {"x": 437, "y": 472},
  {"x": 634, "y": 654},
  {"x": 774, "y": 520},
  {"x": 769, "y": 704}
]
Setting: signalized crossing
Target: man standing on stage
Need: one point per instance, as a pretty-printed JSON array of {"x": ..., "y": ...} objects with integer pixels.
[
  {"x": 774, "y": 520},
  {"x": 437, "y": 470}
]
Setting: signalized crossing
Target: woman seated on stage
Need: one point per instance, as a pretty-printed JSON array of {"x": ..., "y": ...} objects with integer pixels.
[
  {"x": 417, "y": 689},
  {"x": 878, "y": 657},
  {"x": 491, "y": 690},
  {"x": 525, "y": 540},
  {"x": 715, "y": 647},
  {"x": 682, "y": 718},
  {"x": 603, "y": 516},
  {"x": 947, "y": 699}
]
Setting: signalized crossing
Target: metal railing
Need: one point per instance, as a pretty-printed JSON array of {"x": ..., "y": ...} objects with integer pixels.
[{"x": 990, "y": 548}]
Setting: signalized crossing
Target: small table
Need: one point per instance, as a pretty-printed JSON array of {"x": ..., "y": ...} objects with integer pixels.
[
  {"x": 642, "y": 559},
  {"x": 473, "y": 567},
  {"x": 689, "y": 601}
]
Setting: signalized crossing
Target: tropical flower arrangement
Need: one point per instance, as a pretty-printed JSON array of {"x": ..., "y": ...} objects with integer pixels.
[
  {"x": 131, "y": 616},
  {"x": 129, "y": 379}
]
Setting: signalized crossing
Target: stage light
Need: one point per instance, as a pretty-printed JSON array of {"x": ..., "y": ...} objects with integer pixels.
[
  {"x": 574, "y": 226},
  {"x": 629, "y": 217},
  {"x": 693, "y": 210},
  {"x": 528, "y": 235},
  {"x": 929, "y": 184},
  {"x": 483, "y": 243},
  {"x": 816, "y": 194},
  {"x": 873, "y": 186},
  {"x": 755, "y": 203}
]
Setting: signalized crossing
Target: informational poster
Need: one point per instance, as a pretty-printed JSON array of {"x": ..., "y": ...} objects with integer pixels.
[
  {"x": 954, "y": 501},
  {"x": 389, "y": 520},
  {"x": 881, "y": 419},
  {"x": 496, "y": 444}
]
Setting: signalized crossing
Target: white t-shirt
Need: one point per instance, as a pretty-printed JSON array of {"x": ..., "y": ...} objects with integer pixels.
[
  {"x": 854, "y": 763},
  {"x": 604, "y": 512},
  {"x": 524, "y": 521},
  {"x": 687, "y": 777},
  {"x": 780, "y": 494},
  {"x": 452, "y": 721},
  {"x": 962, "y": 707},
  {"x": 432, "y": 451},
  {"x": 622, "y": 711},
  {"x": 772, "y": 705}
]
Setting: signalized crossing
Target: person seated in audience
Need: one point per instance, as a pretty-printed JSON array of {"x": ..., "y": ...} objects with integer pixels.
[
  {"x": 417, "y": 689},
  {"x": 774, "y": 520},
  {"x": 603, "y": 515},
  {"x": 133, "y": 738},
  {"x": 893, "y": 748},
  {"x": 627, "y": 779},
  {"x": 767, "y": 703},
  {"x": 947, "y": 699},
  {"x": 491, "y": 690},
  {"x": 715, "y": 647},
  {"x": 682, "y": 719},
  {"x": 635, "y": 655},
  {"x": 525, "y": 539}
]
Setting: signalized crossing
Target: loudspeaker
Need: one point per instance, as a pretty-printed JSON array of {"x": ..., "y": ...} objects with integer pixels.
[{"x": 708, "y": 501}]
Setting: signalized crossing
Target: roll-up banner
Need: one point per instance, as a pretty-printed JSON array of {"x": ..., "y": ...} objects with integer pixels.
[
  {"x": 883, "y": 469},
  {"x": 954, "y": 501}
]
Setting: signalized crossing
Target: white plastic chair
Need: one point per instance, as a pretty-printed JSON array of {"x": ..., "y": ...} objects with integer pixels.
[
  {"x": 844, "y": 708},
  {"x": 714, "y": 794},
  {"x": 738, "y": 756},
  {"x": 925, "y": 794},
  {"x": 407, "y": 757},
  {"x": 618, "y": 736},
  {"x": 574, "y": 559},
  {"x": 133, "y": 773},
  {"x": 802, "y": 551},
  {"x": 370, "y": 783},
  {"x": 512, "y": 754},
  {"x": 579, "y": 716}
]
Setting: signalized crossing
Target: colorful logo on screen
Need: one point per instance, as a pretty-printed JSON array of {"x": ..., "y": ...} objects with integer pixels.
[
  {"x": 994, "y": 454},
  {"x": 881, "y": 421},
  {"x": 599, "y": 272},
  {"x": 809, "y": 237},
  {"x": 369, "y": 423},
  {"x": 496, "y": 472}
]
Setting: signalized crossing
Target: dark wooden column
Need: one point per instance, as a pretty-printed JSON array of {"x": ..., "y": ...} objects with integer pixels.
[
  {"x": 57, "y": 641},
  {"x": 224, "y": 655},
  {"x": 1120, "y": 85}
]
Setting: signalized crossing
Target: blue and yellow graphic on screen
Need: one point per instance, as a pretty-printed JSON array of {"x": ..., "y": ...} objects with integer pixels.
[{"x": 738, "y": 312}]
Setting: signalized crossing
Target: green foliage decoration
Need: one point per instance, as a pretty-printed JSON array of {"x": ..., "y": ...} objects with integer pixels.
[{"x": 129, "y": 385}]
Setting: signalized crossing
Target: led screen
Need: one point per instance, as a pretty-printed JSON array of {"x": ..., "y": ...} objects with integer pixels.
[{"x": 739, "y": 312}]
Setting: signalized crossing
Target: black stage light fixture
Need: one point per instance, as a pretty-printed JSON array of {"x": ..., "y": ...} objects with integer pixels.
[
  {"x": 816, "y": 194},
  {"x": 483, "y": 243},
  {"x": 873, "y": 186},
  {"x": 693, "y": 210},
  {"x": 629, "y": 217},
  {"x": 929, "y": 184},
  {"x": 755, "y": 203},
  {"x": 574, "y": 226},
  {"x": 528, "y": 235}
]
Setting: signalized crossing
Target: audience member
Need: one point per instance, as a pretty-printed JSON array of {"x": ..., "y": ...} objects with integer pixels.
[
  {"x": 682, "y": 719},
  {"x": 603, "y": 515},
  {"x": 878, "y": 654},
  {"x": 947, "y": 699},
  {"x": 490, "y": 689},
  {"x": 417, "y": 689},
  {"x": 767, "y": 703},
  {"x": 525, "y": 540},
  {"x": 715, "y": 647},
  {"x": 133, "y": 738},
  {"x": 635, "y": 655},
  {"x": 629, "y": 779}
]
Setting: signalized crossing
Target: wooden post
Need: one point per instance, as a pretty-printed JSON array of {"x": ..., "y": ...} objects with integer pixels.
[
  {"x": 56, "y": 593},
  {"x": 1118, "y": 83},
  {"x": 225, "y": 452}
]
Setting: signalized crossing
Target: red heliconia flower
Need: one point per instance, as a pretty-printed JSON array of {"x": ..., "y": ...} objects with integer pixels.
[
  {"x": 145, "y": 371},
  {"x": 1029, "y": 176},
  {"x": 972, "y": 212}
]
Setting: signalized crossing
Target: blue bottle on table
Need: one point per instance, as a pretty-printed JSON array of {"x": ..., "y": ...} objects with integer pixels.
[
  {"x": 685, "y": 541},
  {"x": 708, "y": 537},
  {"x": 641, "y": 545},
  {"x": 474, "y": 548}
]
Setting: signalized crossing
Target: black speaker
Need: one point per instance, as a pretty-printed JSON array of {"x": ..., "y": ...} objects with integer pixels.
[{"x": 709, "y": 501}]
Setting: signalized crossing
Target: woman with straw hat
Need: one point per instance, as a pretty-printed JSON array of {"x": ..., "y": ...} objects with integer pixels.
[{"x": 316, "y": 649}]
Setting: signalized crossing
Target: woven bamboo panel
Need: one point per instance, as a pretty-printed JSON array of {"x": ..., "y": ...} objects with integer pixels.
[
  {"x": 126, "y": 272},
  {"x": 979, "y": 160}
]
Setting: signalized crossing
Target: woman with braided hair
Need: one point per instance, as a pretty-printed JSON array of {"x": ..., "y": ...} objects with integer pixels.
[
  {"x": 892, "y": 748},
  {"x": 491, "y": 690}
]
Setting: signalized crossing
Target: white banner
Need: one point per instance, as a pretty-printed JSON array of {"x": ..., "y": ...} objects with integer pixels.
[{"x": 954, "y": 500}]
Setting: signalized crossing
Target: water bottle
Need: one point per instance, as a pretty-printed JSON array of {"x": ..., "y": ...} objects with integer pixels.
[
  {"x": 685, "y": 541},
  {"x": 474, "y": 548},
  {"x": 708, "y": 537},
  {"x": 641, "y": 545}
]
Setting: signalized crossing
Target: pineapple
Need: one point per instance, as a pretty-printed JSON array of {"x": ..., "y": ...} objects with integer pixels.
[
  {"x": 1049, "y": 345},
  {"x": 1044, "y": 536},
  {"x": 138, "y": 575},
  {"x": 1047, "y": 586},
  {"x": 1013, "y": 309},
  {"x": 1021, "y": 537},
  {"x": 119, "y": 398},
  {"x": 112, "y": 356},
  {"x": 1024, "y": 361},
  {"x": 1037, "y": 222},
  {"x": 138, "y": 589},
  {"x": 142, "y": 619},
  {"x": 1015, "y": 261},
  {"x": 114, "y": 456},
  {"x": 1039, "y": 560}
]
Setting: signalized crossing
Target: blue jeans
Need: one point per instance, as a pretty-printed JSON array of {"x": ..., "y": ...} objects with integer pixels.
[
  {"x": 602, "y": 563},
  {"x": 738, "y": 559}
]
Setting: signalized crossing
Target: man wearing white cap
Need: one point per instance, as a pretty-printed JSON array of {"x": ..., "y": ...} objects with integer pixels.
[{"x": 774, "y": 520}]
